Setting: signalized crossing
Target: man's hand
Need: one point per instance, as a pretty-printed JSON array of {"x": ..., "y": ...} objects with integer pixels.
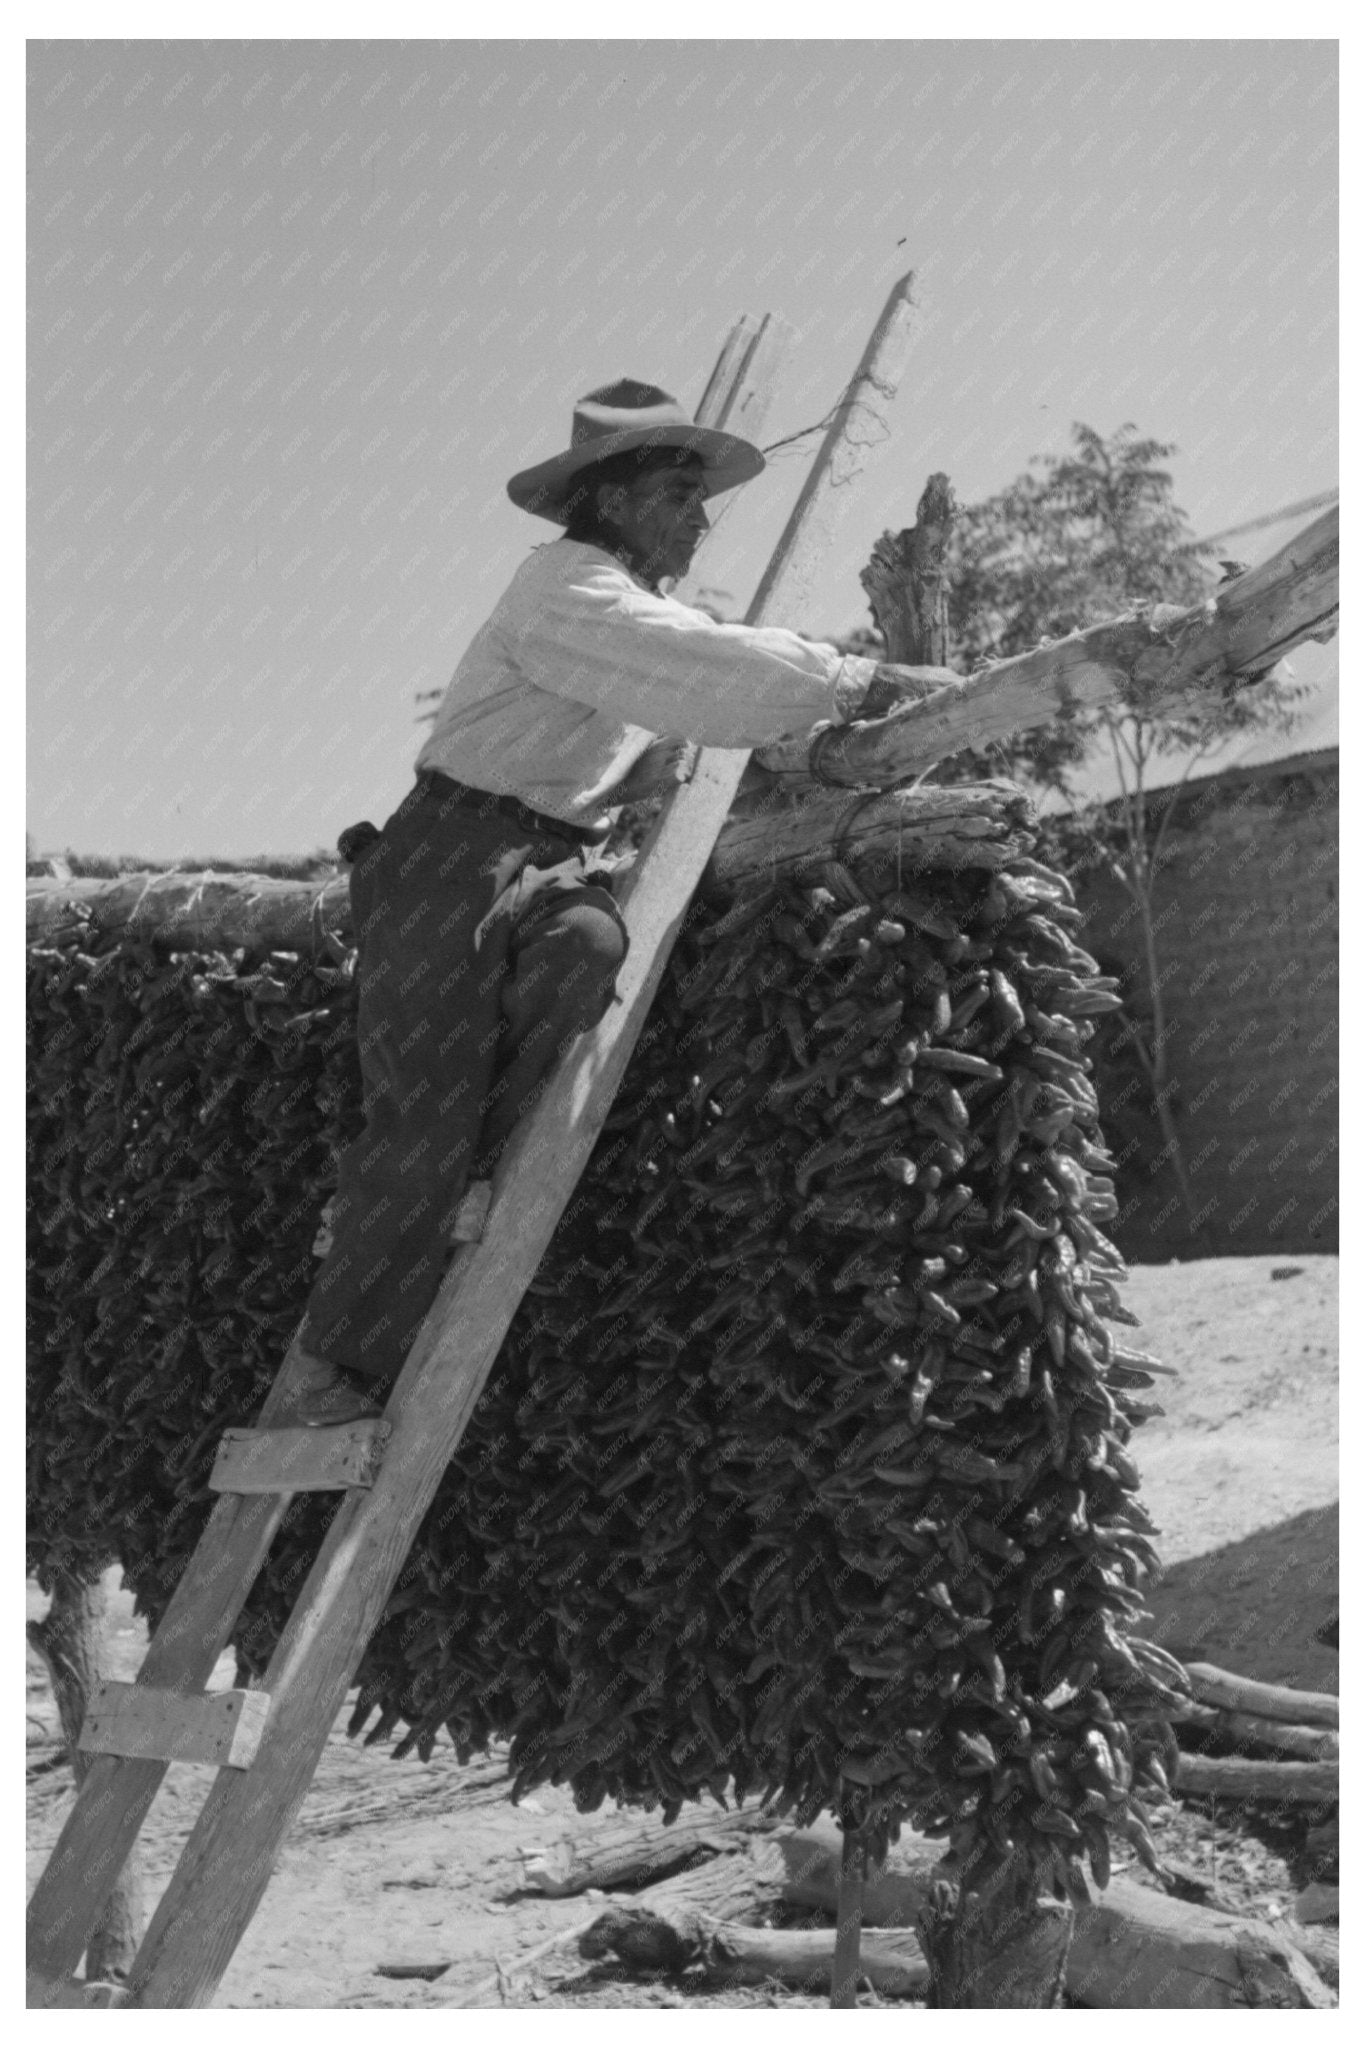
[
  {"x": 894, "y": 684},
  {"x": 663, "y": 765}
]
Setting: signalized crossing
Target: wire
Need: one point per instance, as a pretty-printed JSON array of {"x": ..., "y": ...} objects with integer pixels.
[{"x": 1266, "y": 519}]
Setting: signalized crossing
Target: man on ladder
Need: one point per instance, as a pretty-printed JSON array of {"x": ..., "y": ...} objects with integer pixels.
[{"x": 484, "y": 916}]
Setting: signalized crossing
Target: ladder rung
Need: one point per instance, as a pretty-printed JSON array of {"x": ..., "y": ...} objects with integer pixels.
[
  {"x": 299, "y": 1460},
  {"x": 47, "y": 1993},
  {"x": 175, "y": 1727}
]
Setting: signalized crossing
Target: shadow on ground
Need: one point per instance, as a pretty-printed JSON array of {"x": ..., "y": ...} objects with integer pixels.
[{"x": 1255, "y": 1606}]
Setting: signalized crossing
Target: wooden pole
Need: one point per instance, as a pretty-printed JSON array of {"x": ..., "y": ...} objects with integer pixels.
[
  {"x": 227, "y": 1862},
  {"x": 858, "y": 424},
  {"x": 848, "y": 1932}
]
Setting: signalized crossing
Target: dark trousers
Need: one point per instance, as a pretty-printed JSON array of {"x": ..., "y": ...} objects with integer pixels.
[{"x": 456, "y": 1044}]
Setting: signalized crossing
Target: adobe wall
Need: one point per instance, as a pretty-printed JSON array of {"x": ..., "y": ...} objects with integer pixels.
[{"x": 1246, "y": 906}]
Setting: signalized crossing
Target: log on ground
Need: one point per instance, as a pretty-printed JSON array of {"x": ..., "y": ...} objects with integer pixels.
[
  {"x": 1255, "y": 1731},
  {"x": 1244, "y": 1777},
  {"x": 890, "y": 1958},
  {"x": 1131, "y": 1947},
  {"x": 637, "y": 1851},
  {"x": 1218, "y": 1688},
  {"x": 665, "y": 1926}
]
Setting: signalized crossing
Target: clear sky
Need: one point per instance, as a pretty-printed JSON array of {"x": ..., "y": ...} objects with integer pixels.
[{"x": 297, "y": 310}]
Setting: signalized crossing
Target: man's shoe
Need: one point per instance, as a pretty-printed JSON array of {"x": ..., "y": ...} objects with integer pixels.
[
  {"x": 326, "y": 1394},
  {"x": 472, "y": 1213}
]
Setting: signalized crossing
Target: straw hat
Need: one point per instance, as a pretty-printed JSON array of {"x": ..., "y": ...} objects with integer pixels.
[{"x": 627, "y": 415}]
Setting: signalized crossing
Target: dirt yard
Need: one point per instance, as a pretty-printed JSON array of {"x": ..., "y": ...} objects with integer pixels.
[{"x": 396, "y": 1869}]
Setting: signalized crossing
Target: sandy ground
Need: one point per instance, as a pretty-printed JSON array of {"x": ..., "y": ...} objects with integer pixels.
[{"x": 399, "y": 1865}]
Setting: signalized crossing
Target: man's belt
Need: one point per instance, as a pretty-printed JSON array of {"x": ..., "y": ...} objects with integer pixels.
[{"x": 510, "y": 807}]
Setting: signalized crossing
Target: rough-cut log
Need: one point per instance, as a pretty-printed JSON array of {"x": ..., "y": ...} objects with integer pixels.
[
  {"x": 785, "y": 830},
  {"x": 1244, "y": 1777},
  {"x": 196, "y": 910},
  {"x": 907, "y": 581},
  {"x": 661, "y": 1937},
  {"x": 982, "y": 824},
  {"x": 1219, "y": 1688},
  {"x": 637, "y": 1850},
  {"x": 1132, "y": 1946},
  {"x": 1317, "y": 1745},
  {"x": 1167, "y": 657},
  {"x": 69, "y": 1639},
  {"x": 891, "y": 1959},
  {"x": 664, "y": 1927}
]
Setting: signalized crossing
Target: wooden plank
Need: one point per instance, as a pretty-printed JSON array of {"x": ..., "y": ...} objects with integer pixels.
[
  {"x": 222, "y": 1728},
  {"x": 227, "y": 1862},
  {"x": 1169, "y": 657},
  {"x": 298, "y": 1460}
]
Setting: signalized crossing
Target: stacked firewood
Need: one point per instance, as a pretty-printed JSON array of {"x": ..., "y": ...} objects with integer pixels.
[{"x": 1284, "y": 1744}]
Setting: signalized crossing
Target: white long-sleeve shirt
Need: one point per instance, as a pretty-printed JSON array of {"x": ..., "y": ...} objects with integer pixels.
[{"x": 580, "y": 667}]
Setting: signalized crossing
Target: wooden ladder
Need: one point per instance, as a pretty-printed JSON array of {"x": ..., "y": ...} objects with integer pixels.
[{"x": 267, "y": 1741}]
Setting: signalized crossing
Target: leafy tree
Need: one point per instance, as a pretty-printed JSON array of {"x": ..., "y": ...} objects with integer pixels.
[{"x": 1078, "y": 539}]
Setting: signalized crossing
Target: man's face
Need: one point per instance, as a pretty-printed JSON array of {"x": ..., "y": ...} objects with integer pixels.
[{"x": 661, "y": 516}]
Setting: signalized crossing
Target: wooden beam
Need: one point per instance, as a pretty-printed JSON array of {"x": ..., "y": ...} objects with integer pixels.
[
  {"x": 222, "y": 1728},
  {"x": 298, "y": 1460},
  {"x": 786, "y": 829},
  {"x": 1167, "y": 658},
  {"x": 782, "y": 825}
]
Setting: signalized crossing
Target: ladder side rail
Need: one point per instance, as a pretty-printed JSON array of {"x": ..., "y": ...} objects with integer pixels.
[
  {"x": 227, "y": 1862},
  {"x": 110, "y": 1807},
  {"x": 112, "y": 1804}
]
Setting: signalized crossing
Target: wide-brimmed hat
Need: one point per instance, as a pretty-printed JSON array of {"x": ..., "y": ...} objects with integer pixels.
[{"x": 628, "y": 415}]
